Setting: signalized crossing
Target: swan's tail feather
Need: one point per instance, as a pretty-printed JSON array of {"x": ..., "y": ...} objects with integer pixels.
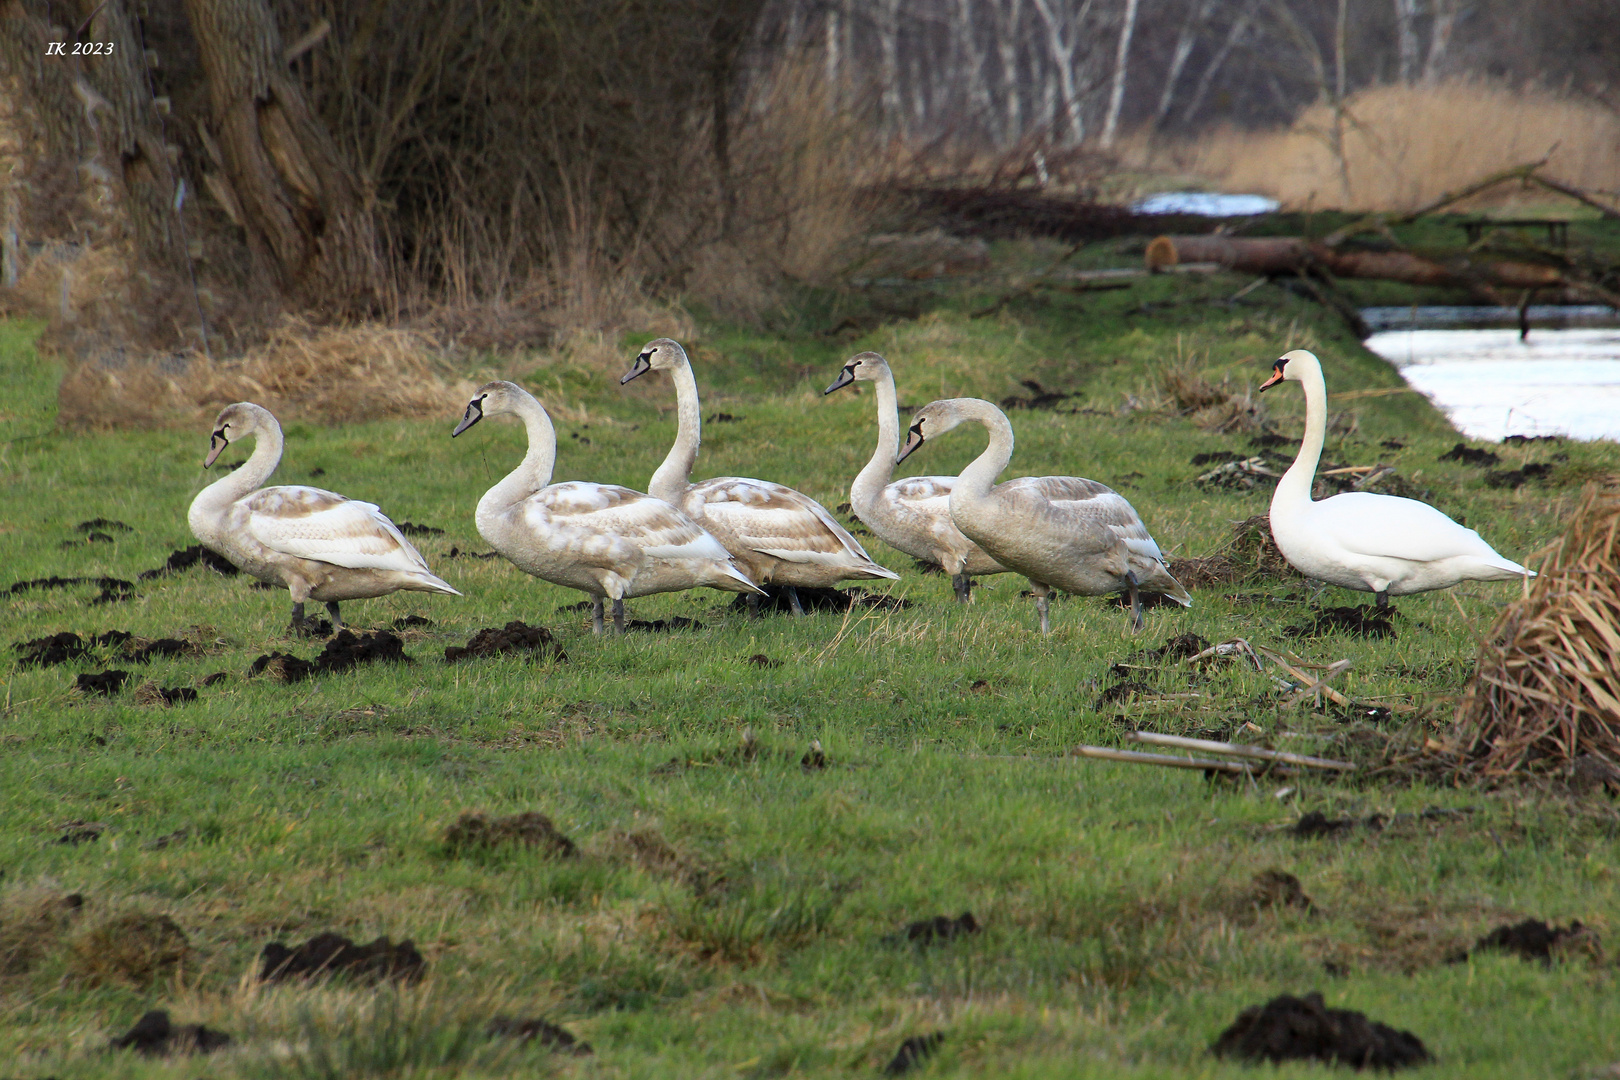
[
  {"x": 731, "y": 579},
  {"x": 425, "y": 582}
]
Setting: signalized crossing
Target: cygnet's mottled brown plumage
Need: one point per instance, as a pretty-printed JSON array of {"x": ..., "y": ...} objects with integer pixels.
[
  {"x": 320, "y": 545},
  {"x": 912, "y": 515},
  {"x": 605, "y": 540},
  {"x": 1061, "y": 532},
  {"x": 777, "y": 535}
]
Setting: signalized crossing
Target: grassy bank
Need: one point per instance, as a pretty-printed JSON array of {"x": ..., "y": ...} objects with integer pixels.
[{"x": 729, "y": 911}]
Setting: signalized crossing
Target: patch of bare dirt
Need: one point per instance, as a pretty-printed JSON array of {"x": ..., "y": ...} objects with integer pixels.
[
  {"x": 516, "y": 636},
  {"x": 333, "y": 954},
  {"x": 1288, "y": 1028},
  {"x": 535, "y": 1030},
  {"x": 476, "y": 830},
  {"x": 155, "y": 1035}
]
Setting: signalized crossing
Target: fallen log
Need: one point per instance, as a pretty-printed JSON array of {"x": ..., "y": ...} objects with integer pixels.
[{"x": 1275, "y": 255}]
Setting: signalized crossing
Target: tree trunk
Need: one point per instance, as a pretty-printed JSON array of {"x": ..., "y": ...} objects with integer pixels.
[
  {"x": 304, "y": 214},
  {"x": 1234, "y": 34},
  {"x": 1011, "y": 12},
  {"x": 1197, "y": 15},
  {"x": 1445, "y": 20},
  {"x": 1406, "y": 38},
  {"x": 1116, "y": 97},
  {"x": 1061, "y": 51}
]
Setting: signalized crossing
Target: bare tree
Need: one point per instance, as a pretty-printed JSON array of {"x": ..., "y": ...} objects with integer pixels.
[
  {"x": 1406, "y": 37},
  {"x": 303, "y": 211},
  {"x": 1116, "y": 97}
]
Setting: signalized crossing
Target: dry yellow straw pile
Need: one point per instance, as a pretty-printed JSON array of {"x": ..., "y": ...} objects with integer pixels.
[
  {"x": 1546, "y": 695},
  {"x": 330, "y": 374}
]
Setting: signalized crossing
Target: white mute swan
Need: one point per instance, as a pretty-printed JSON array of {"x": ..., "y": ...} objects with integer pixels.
[
  {"x": 320, "y": 545},
  {"x": 602, "y": 539},
  {"x": 911, "y": 515},
  {"x": 1359, "y": 540},
  {"x": 777, "y": 535},
  {"x": 1061, "y": 532}
]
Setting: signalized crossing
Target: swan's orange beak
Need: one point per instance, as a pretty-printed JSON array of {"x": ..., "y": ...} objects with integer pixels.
[{"x": 1276, "y": 377}]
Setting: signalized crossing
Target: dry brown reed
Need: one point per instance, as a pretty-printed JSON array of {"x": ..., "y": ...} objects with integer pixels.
[
  {"x": 1545, "y": 698},
  {"x": 328, "y": 374},
  {"x": 1408, "y": 145},
  {"x": 1212, "y": 406},
  {"x": 1248, "y": 554},
  {"x": 132, "y": 948}
]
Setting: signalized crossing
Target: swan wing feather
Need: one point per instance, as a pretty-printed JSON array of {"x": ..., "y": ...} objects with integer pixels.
[
  {"x": 1370, "y": 524},
  {"x": 651, "y": 525},
  {"x": 323, "y": 526},
  {"x": 778, "y": 521}
]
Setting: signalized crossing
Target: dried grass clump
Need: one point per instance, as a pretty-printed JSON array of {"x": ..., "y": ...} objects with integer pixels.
[
  {"x": 329, "y": 374},
  {"x": 31, "y": 923},
  {"x": 133, "y": 948},
  {"x": 1212, "y": 406},
  {"x": 1546, "y": 695},
  {"x": 1408, "y": 145},
  {"x": 1249, "y": 554}
]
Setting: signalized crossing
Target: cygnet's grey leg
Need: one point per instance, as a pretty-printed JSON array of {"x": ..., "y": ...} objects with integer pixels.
[
  {"x": 618, "y": 616},
  {"x": 1043, "y": 604},
  {"x": 1136, "y": 600},
  {"x": 753, "y": 605},
  {"x": 596, "y": 615},
  {"x": 793, "y": 601},
  {"x": 963, "y": 586},
  {"x": 298, "y": 623},
  {"x": 337, "y": 620},
  {"x": 1383, "y": 600}
]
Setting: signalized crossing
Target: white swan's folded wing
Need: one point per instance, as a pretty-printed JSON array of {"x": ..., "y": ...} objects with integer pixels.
[
  {"x": 658, "y": 529},
  {"x": 322, "y": 526},
  {"x": 780, "y": 522},
  {"x": 1366, "y": 523}
]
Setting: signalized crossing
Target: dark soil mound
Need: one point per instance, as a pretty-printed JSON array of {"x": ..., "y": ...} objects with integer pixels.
[
  {"x": 1520, "y": 440},
  {"x": 78, "y": 832},
  {"x": 457, "y": 553},
  {"x": 811, "y": 599},
  {"x": 1217, "y": 457},
  {"x": 105, "y": 683},
  {"x": 1250, "y": 554},
  {"x": 411, "y": 528},
  {"x": 101, "y": 524},
  {"x": 112, "y": 589},
  {"x": 1315, "y": 823},
  {"x": 162, "y": 647},
  {"x": 49, "y": 651},
  {"x": 937, "y": 929},
  {"x": 341, "y": 653},
  {"x": 913, "y": 1052},
  {"x": 815, "y": 758},
  {"x": 410, "y": 622},
  {"x": 760, "y": 660},
  {"x": 333, "y": 954},
  {"x": 1180, "y": 647},
  {"x": 536, "y": 1030},
  {"x": 1122, "y": 691},
  {"x": 724, "y": 418},
  {"x": 1362, "y": 621},
  {"x": 1517, "y": 478},
  {"x": 155, "y": 1036},
  {"x": 1469, "y": 456},
  {"x": 1278, "y": 888},
  {"x": 185, "y": 558},
  {"x": 1039, "y": 397},
  {"x": 150, "y": 693},
  {"x": 515, "y": 637},
  {"x": 1288, "y": 1028},
  {"x": 475, "y": 829},
  {"x": 664, "y": 626},
  {"x": 1535, "y": 940}
]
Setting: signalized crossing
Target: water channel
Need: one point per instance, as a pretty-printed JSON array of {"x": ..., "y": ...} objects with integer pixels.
[{"x": 1561, "y": 379}]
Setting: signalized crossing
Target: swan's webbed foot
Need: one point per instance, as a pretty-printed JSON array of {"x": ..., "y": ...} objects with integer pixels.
[
  {"x": 596, "y": 615},
  {"x": 793, "y": 601},
  {"x": 618, "y": 616},
  {"x": 963, "y": 586},
  {"x": 1136, "y": 601},
  {"x": 337, "y": 620}
]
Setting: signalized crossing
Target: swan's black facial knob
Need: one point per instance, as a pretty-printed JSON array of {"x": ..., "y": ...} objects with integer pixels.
[
  {"x": 1277, "y": 376},
  {"x": 915, "y": 440},
  {"x": 217, "y": 442},
  {"x": 642, "y": 365},
  {"x": 845, "y": 377}
]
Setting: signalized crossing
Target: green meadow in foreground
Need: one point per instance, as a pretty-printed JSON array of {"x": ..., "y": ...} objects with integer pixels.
[{"x": 732, "y": 910}]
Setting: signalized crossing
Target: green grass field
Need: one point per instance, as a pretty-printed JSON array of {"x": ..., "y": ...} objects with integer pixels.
[{"x": 733, "y": 914}]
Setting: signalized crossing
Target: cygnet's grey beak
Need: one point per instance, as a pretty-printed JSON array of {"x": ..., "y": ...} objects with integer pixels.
[
  {"x": 912, "y": 443},
  {"x": 642, "y": 365},
  {"x": 475, "y": 413},
  {"x": 845, "y": 377},
  {"x": 217, "y": 442}
]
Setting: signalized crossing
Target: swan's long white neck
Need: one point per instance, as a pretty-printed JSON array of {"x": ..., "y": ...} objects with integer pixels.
[
  {"x": 870, "y": 481},
  {"x": 1294, "y": 489},
  {"x": 670, "y": 481},
  {"x": 980, "y": 475},
  {"x": 532, "y": 473},
  {"x": 209, "y": 508}
]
